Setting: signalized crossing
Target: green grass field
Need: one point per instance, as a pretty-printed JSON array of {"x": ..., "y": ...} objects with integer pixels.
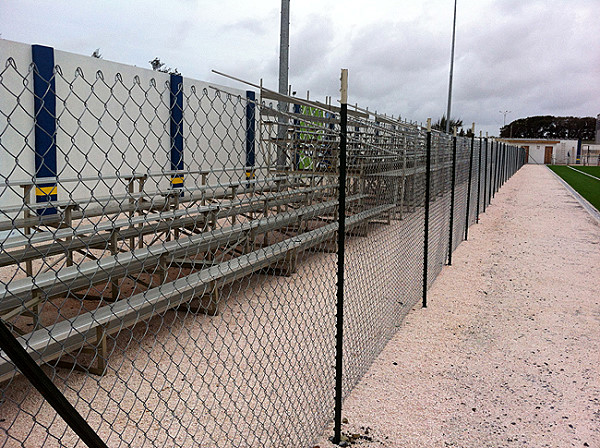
[
  {"x": 593, "y": 170},
  {"x": 586, "y": 186}
]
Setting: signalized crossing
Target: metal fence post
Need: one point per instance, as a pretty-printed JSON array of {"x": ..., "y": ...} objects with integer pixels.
[
  {"x": 479, "y": 179},
  {"x": 340, "y": 260},
  {"x": 283, "y": 106},
  {"x": 488, "y": 197},
  {"x": 451, "y": 234},
  {"x": 499, "y": 168},
  {"x": 427, "y": 197},
  {"x": 470, "y": 182},
  {"x": 513, "y": 161},
  {"x": 485, "y": 163},
  {"x": 38, "y": 378},
  {"x": 502, "y": 173},
  {"x": 504, "y": 165},
  {"x": 496, "y": 163}
]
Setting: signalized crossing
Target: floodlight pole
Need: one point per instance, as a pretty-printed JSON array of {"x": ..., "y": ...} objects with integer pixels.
[
  {"x": 282, "y": 106},
  {"x": 451, "y": 71},
  {"x": 504, "y": 112}
]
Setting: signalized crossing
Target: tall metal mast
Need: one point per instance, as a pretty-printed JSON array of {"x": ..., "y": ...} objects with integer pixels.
[
  {"x": 284, "y": 48},
  {"x": 451, "y": 71}
]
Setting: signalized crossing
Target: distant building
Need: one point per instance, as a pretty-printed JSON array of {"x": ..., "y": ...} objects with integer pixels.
[
  {"x": 550, "y": 151},
  {"x": 590, "y": 154}
]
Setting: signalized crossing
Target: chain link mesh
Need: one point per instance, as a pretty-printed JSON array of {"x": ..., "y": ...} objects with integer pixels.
[{"x": 177, "y": 282}]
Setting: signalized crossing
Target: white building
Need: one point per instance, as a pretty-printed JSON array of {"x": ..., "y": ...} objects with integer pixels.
[
  {"x": 550, "y": 151},
  {"x": 590, "y": 154}
]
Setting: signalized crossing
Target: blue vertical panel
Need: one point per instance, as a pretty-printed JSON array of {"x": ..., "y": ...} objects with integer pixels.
[
  {"x": 250, "y": 134},
  {"x": 176, "y": 105},
  {"x": 44, "y": 90}
]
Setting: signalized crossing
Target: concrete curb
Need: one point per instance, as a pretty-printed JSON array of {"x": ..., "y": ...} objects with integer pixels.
[{"x": 584, "y": 202}]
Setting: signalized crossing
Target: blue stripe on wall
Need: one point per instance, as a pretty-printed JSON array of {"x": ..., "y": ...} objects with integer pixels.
[
  {"x": 176, "y": 104},
  {"x": 44, "y": 89},
  {"x": 250, "y": 133}
]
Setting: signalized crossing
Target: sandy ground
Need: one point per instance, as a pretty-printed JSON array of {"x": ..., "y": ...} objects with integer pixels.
[{"x": 508, "y": 352}]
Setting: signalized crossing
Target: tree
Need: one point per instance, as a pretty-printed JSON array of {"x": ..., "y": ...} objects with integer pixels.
[
  {"x": 548, "y": 126},
  {"x": 96, "y": 54},
  {"x": 159, "y": 66},
  {"x": 440, "y": 125}
]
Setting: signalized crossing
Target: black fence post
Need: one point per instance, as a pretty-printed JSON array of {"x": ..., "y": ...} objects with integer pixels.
[
  {"x": 340, "y": 261},
  {"x": 36, "y": 376},
  {"x": 513, "y": 162},
  {"x": 451, "y": 234},
  {"x": 503, "y": 164},
  {"x": 489, "y": 192},
  {"x": 502, "y": 173},
  {"x": 501, "y": 167},
  {"x": 427, "y": 195},
  {"x": 485, "y": 169},
  {"x": 493, "y": 151},
  {"x": 506, "y": 162},
  {"x": 469, "y": 184},
  {"x": 479, "y": 179},
  {"x": 496, "y": 163}
]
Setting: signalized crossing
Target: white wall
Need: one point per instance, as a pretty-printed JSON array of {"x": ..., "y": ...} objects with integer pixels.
[
  {"x": 114, "y": 119},
  {"x": 565, "y": 153},
  {"x": 16, "y": 121},
  {"x": 536, "y": 153}
]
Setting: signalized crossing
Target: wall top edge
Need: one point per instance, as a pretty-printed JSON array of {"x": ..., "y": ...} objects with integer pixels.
[{"x": 21, "y": 52}]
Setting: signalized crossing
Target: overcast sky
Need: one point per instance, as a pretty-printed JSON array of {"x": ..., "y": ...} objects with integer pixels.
[{"x": 530, "y": 57}]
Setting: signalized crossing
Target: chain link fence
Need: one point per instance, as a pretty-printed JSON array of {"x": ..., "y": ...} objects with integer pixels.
[{"x": 170, "y": 247}]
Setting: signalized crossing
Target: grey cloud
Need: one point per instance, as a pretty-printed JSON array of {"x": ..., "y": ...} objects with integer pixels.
[
  {"x": 311, "y": 45},
  {"x": 531, "y": 57},
  {"x": 252, "y": 26},
  {"x": 525, "y": 60},
  {"x": 399, "y": 47}
]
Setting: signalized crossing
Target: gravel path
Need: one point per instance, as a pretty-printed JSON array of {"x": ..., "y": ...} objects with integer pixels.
[{"x": 508, "y": 352}]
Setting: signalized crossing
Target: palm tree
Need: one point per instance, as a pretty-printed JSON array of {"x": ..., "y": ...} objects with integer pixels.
[{"x": 440, "y": 125}]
